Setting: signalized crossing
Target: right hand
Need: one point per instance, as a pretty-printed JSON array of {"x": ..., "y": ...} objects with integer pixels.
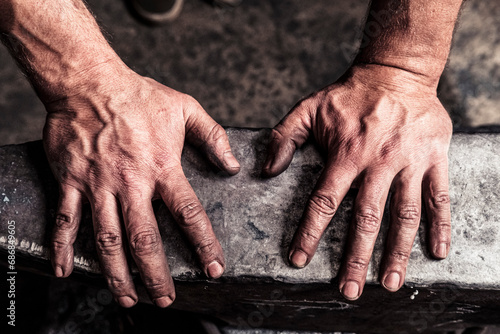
[{"x": 116, "y": 140}]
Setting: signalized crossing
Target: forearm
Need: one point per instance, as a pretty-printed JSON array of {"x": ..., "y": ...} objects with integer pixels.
[
  {"x": 414, "y": 35},
  {"x": 57, "y": 43}
]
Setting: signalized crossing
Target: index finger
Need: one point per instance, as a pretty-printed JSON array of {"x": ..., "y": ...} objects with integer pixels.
[
  {"x": 191, "y": 217},
  {"x": 331, "y": 188},
  {"x": 368, "y": 211}
]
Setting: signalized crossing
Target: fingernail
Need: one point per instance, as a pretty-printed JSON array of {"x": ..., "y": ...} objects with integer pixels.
[
  {"x": 350, "y": 290},
  {"x": 392, "y": 280},
  {"x": 298, "y": 258},
  {"x": 163, "y": 301},
  {"x": 58, "y": 271},
  {"x": 215, "y": 270},
  {"x": 231, "y": 161},
  {"x": 442, "y": 250},
  {"x": 126, "y": 301}
]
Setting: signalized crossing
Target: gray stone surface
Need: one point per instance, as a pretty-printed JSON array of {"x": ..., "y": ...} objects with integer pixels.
[{"x": 254, "y": 218}]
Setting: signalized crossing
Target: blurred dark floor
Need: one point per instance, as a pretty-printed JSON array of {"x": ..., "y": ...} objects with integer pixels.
[{"x": 247, "y": 66}]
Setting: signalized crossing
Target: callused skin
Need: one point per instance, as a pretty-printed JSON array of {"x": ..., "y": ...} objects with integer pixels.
[{"x": 383, "y": 128}]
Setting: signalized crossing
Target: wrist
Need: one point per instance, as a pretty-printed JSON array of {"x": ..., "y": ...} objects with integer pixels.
[
  {"x": 390, "y": 78},
  {"x": 412, "y": 35},
  {"x": 73, "y": 73},
  {"x": 102, "y": 81},
  {"x": 78, "y": 78},
  {"x": 427, "y": 70}
]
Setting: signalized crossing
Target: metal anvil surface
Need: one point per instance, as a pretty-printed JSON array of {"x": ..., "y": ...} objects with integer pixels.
[{"x": 255, "y": 219}]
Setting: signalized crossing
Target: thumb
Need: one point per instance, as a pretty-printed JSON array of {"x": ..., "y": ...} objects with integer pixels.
[
  {"x": 290, "y": 133},
  {"x": 211, "y": 138}
]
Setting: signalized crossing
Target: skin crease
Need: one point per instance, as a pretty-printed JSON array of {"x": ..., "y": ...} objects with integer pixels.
[{"x": 383, "y": 128}]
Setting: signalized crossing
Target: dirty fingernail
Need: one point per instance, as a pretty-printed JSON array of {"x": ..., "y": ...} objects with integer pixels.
[
  {"x": 163, "y": 301},
  {"x": 442, "y": 250},
  {"x": 298, "y": 258},
  {"x": 231, "y": 161},
  {"x": 126, "y": 301},
  {"x": 392, "y": 280},
  {"x": 350, "y": 290},
  {"x": 215, "y": 270}
]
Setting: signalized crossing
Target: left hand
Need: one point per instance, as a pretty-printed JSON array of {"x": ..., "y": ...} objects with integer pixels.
[{"x": 382, "y": 128}]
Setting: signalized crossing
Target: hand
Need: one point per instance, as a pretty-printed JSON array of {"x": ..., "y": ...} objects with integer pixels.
[
  {"x": 382, "y": 128},
  {"x": 117, "y": 141}
]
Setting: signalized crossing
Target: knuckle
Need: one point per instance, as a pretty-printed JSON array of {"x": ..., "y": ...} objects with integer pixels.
[
  {"x": 118, "y": 285},
  {"x": 440, "y": 200},
  {"x": 323, "y": 204},
  {"x": 189, "y": 214},
  {"x": 367, "y": 221},
  {"x": 59, "y": 245},
  {"x": 65, "y": 221},
  {"x": 129, "y": 177},
  {"x": 144, "y": 242},
  {"x": 442, "y": 228},
  {"x": 277, "y": 132},
  {"x": 308, "y": 103},
  {"x": 442, "y": 224},
  {"x": 206, "y": 246},
  {"x": 310, "y": 234},
  {"x": 357, "y": 264},
  {"x": 217, "y": 134},
  {"x": 399, "y": 256},
  {"x": 109, "y": 242},
  {"x": 156, "y": 286},
  {"x": 408, "y": 214}
]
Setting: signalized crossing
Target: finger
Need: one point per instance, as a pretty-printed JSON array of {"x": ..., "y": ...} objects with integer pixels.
[
  {"x": 368, "y": 211},
  {"x": 147, "y": 248},
  {"x": 331, "y": 188},
  {"x": 189, "y": 214},
  {"x": 203, "y": 132},
  {"x": 65, "y": 230},
  {"x": 110, "y": 248},
  {"x": 286, "y": 137},
  {"x": 405, "y": 218},
  {"x": 437, "y": 203}
]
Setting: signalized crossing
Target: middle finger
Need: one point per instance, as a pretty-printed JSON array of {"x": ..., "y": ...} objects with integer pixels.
[
  {"x": 147, "y": 248},
  {"x": 364, "y": 228}
]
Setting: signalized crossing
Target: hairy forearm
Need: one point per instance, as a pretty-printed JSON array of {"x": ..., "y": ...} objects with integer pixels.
[
  {"x": 414, "y": 35},
  {"x": 55, "y": 42}
]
